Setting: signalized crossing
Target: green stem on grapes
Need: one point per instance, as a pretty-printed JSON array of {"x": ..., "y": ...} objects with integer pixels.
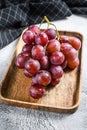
[{"x": 49, "y": 23}]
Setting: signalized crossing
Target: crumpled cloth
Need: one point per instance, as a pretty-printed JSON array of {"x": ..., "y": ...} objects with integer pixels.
[{"x": 15, "y": 15}]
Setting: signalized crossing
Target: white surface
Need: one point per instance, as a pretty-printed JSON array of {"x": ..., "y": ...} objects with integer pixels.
[{"x": 13, "y": 118}]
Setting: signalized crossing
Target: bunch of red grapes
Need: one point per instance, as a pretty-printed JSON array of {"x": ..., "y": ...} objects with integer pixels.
[{"x": 44, "y": 58}]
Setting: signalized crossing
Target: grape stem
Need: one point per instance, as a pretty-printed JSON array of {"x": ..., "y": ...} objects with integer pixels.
[{"x": 50, "y": 23}]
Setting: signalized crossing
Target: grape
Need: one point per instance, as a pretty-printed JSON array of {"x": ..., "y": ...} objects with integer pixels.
[
  {"x": 20, "y": 60},
  {"x": 55, "y": 81},
  {"x": 53, "y": 45},
  {"x": 57, "y": 58},
  {"x": 64, "y": 38},
  {"x": 64, "y": 64},
  {"x": 51, "y": 33},
  {"x": 56, "y": 71},
  {"x": 72, "y": 54},
  {"x": 32, "y": 66},
  {"x": 73, "y": 63},
  {"x": 41, "y": 39},
  {"x": 28, "y": 37},
  {"x": 26, "y": 73},
  {"x": 44, "y": 62},
  {"x": 37, "y": 52},
  {"x": 75, "y": 42},
  {"x": 65, "y": 47},
  {"x": 43, "y": 77},
  {"x": 27, "y": 48},
  {"x": 34, "y": 29},
  {"x": 37, "y": 91},
  {"x": 68, "y": 51},
  {"x": 26, "y": 54}
]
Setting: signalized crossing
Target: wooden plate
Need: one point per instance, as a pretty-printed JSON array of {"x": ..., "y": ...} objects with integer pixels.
[{"x": 64, "y": 97}]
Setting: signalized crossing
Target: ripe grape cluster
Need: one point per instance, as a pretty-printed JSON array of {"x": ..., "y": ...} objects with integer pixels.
[{"x": 44, "y": 58}]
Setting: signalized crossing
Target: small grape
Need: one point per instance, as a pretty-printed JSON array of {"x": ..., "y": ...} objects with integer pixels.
[
  {"x": 37, "y": 91},
  {"x": 43, "y": 77},
  {"x": 37, "y": 52},
  {"x": 56, "y": 71},
  {"x": 35, "y": 29},
  {"x": 41, "y": 39},
  {"x": 28, "y": 37},
  {"x": 55, "y": 81},
  {"x": 64, "y": 64},
  {"x": 20, "y": 60},
  {"x": 57, "y": 58},
  {"x": 75, "y": 42},
  {"x": 32, "y": 66},
  {"x": 73, "y": 63},
  {"x": 27, "y": 74},
  {"x": 53, "y": 45},
  {"x": 44, "y": 62},
  {"x": 51, "y": 33}
]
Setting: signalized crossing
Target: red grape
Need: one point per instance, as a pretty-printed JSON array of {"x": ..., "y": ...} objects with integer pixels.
[
  {"x": 53, "y": 45},
  {"x": 72, "y": 54},
  {"x": 64, "y": 38},
  {"x": 43, "y": 77},
  {"x": 55, "y": 81},
  {"x": 32, "y": 66},
  {"x": 35, "y": 29},
  {"x": 41, "y": 39},
  {"x": 27, "y": 48},
  {"x": 56, "y": 71},
  {"x": 37, "y": 52},
  {"x": 57, "y": 58},
  {"x": 37, "y": 91},
  {"x": 75, "y": 42},
  {"x": 51, "y": 33},
  {"x": 26, "y": 73},
  {"x": 65, "y": 47},
  {"x": 73, "y": 63},
  {"x": 20, "y": 60},
  {"x": 44, "y": 62},
  {"x": 28, "y": 37},
  {"x": 64, "y": 64}
]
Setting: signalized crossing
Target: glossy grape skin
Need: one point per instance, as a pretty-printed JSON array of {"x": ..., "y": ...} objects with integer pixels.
[
  {"x": 55, "y": 81},
  {"x": 37, "y": 91},
  {"x": 27, "y": 48},
  {"x": 57, "y": 58},
  {"x": 68, "y": 51},
  {"x": 28, "y": 37},
  {"x": 27, "y": 74},
  {"x": 35, "y": 29},
  {"x": 64, "y": 39},
  {"x": 64, "y": 64},
  {"x": 65, "y": 48},
  {"x": 20, "y": 60},
  {"x": 32, "y": 66},
  {"x": 51, "y": 33},
  {"x": 43, "y": 77},
  {"x": 41, "y": 39},
  {"x": 37, "y": 52},
  {"x": 75, "y": 42},
  {"x": 53, "y": 45},
  {"x": 56, "y": 71},
  {"x": 44, "y": 62},
  {"x": 72, "y": 54},
  {"x": 73, "y": 63}
]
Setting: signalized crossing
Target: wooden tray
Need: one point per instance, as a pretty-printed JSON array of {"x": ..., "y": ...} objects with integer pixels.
[{"x": 65, "y": 97}]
